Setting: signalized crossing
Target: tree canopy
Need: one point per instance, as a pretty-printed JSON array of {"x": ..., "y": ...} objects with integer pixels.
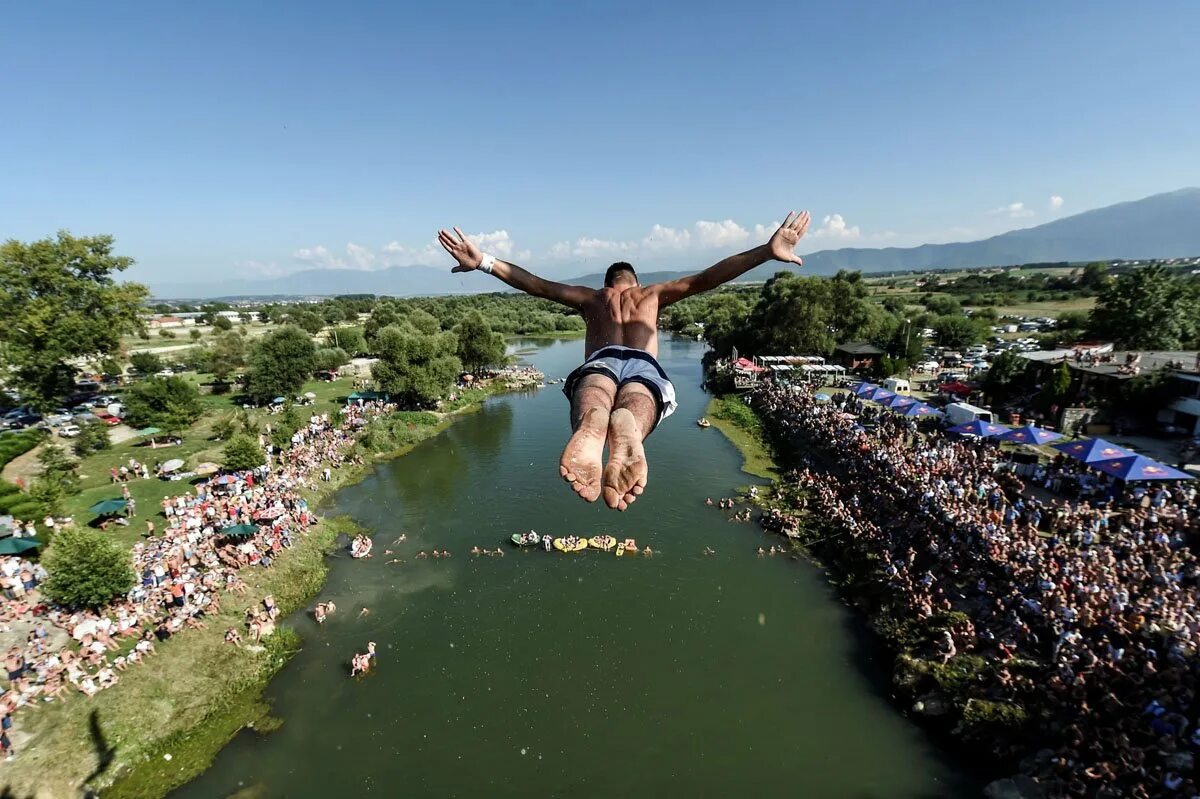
[
  {"x": 87, "y": 569},
  {"x": 59, "y": 300},
  {"x": 1148, "y": 308},
  {"x": 171, "y": 403},
  {"x": 414, "y": 367},
  {"x": 280, "y": 363},
  {"x": 478, "y": 346}
]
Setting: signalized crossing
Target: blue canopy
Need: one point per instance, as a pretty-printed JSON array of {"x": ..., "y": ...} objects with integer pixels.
[
  {"x": 882, "y": 396},
  {"x": 900, "y": 402},
  {"x": 1093, "y": 450},
  {"x": 1030, "y": 435},
  {"x": 278, "y": 401},
  {"x": 822, "y": 397},
  {"x": 864, "y": 388},
  {"x": 1139, "y": 467},
  {"x": 921, "y": 409},
  {"x": 980, "y": 428}
]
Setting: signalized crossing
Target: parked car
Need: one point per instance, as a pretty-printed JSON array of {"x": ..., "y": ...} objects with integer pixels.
[
  {"x": 58, "y": 417},
  {"x": 69, "y": 430},
  {"x": 109, "y": 419},
  {"x": 23, "y": 421},
  {"x": 928, "y": 366},
  {"x": 84, "y": 417}
]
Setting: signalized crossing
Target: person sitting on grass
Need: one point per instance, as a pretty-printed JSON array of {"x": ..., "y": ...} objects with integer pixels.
[{"x": 620, "y": 393}]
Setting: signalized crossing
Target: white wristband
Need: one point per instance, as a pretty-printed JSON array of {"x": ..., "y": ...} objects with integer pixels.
[{"x": 487, "y": 263}]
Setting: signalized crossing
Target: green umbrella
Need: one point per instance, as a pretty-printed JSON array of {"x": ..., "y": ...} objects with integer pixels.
[
  {"x": 16, "y": 546},
  {"x": 240, "y": 530},
  {"x": 107, "y": 506},
  {"x": 148, "y": 431}
]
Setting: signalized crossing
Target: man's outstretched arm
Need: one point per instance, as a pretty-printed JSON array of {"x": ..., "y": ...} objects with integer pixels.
[
  {"x": 470, "y": 257},
  {"x": 781, "y": 247}
]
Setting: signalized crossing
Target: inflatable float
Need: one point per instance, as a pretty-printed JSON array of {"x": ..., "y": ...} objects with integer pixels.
[
  {"x": 530, "y": 539},
  {"x": 604, "y": 543},
  {"x": 570, "y": 544}
]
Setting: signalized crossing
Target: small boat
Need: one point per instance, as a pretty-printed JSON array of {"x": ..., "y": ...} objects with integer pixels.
[
  {"x": 570, "y": 544},
  {"x": 604, "y": 543},
  {"x": 703, "y": 423},
  {"x": 530, "y": 539}
]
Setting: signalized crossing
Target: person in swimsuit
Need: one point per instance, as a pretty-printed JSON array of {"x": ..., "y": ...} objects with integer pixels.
[{"x": 620, "y": 393}]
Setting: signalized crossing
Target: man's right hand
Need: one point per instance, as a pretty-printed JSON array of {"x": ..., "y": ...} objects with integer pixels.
[{"x": 465, "y": 251}]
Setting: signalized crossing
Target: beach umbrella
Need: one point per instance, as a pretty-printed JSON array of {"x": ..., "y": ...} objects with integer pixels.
[
  {"x": 1139, "y": 467},
  {"x": 107, "y": 506},
  {"x": 277, "y": 401},
  {"x": 822, "y": 397},
  {"x": 224, "y": 479},
  {"x": 207, "y": 467},
  {"x": 921, "y": 409},
  {"x": 900, "y": 402},
  {"x": 1092, "y": 450},
  {"x": 148, "y": 431},
  {"x": 173, "y": 465},
  {"x": 310, "y": 395},
  {"x": 1030, "y": 435},
  {"x": 864, "y": 388},
  {"x": 268, "y": 514},
  {"x": 17, "y": 546},
  {"x": 980, "y": 428},
  {"x": 882, "y": 396},
  {"x": 239, "y": 530}
]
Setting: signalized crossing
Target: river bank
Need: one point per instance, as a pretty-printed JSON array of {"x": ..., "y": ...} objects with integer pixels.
[{"x": 163, "y": 723}]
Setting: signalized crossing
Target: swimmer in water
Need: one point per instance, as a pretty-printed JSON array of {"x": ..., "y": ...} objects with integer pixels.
[
  {"x": 475, "y": 550},
  {"x": 364, "y": 612},
  {"x": 422, "y": 555},
  {"x": 400, "y": 540},
  {"x": 708, "y": 501},
  {"x": 761, "y": 552},
  {"x": 709, "y": 551},
  {"x": 648, "y": 552},
  {"x": 395, "y": 560}
]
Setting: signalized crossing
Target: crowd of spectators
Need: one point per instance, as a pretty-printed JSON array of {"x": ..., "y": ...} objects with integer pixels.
[
  {"x": 181, "y": 572},
  {"x": 1083, "y": 603}
]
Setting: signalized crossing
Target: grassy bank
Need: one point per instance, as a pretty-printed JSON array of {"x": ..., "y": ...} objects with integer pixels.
[
  {"x": 744, "y": 429},
  {"x": 198, "y": 691}
]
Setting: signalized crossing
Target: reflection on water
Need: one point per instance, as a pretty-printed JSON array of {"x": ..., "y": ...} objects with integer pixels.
[{"x": 541, "y": 674}]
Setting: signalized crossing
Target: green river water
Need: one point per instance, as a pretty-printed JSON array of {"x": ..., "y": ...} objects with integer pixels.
[{"x": 544, "y": 674}]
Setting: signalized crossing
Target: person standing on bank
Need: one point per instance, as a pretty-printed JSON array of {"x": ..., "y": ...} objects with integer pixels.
[{"x": 620, "y": 393}]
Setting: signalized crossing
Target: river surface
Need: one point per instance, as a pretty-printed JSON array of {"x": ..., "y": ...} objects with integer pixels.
[{"x": 585, "y": 675}]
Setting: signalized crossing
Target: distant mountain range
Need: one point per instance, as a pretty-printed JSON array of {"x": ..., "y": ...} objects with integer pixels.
[{"x": 1160, "y": 226}]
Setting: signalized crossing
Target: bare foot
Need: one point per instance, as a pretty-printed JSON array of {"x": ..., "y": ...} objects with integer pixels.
[
  {"x": 581, "y": 460},
  {"x": 626, "y": 472}
]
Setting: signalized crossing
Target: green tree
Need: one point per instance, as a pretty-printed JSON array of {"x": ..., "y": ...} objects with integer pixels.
[
  {"x": 793, "y": 315},
  {"x": 1002, "y": 376},
  {"x": 93, "y": 437},
  {"x": 349, "y": 339},
  {"x": 57, "y": 481},
  {"x": 1056, "y": 390},
  {"x": 1148, "y": 308},
  {"x": 223, "y": 323},
  {"x": 280, "y": 363},
  {"x": 87, "y": 569},
  {"x": 194, "y": 334},
  {"x": 424, "y": 322},
  {"x": 1095, "y": 276},
  {"x": 145, "y": 363},
  {"x": 59, "y": 300},
  {"x": 242, "y": 453},
  {"x": 383, "y": 316},
  {"x": 478, "y": 346},
  {"x": 245, "y": 317},
  {"x": 957, "y": 331},
  {"x": 330, "y": 358},
  {"x": 170, "y": 403},
  {"x": 307, "y": 320},
  {"x": 416, "y": 369},
  {"x": 227, "y": 355}
]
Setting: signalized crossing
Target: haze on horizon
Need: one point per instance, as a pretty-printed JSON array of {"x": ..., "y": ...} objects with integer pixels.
[{"x": 232, "y": 142}]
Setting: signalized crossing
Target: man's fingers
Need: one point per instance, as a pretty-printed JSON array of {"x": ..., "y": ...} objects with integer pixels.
[
  {"x": 787, "y": 222},
  {"x": 798, "y": 261},
  {"x": 461, "y": 237}
]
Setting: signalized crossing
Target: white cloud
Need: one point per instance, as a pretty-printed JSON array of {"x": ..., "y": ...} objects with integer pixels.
[
  {"x": 361, "y": 256},
  {"x": 319, "y": 256},
  {"x": 1056, "y": 202},
  {"x": 721, "y": 234},
  {"x": 834, "y": 226},
  {"x": 1015, "y": 210}
]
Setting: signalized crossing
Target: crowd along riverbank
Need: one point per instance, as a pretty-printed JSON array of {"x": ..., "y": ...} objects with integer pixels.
[{"x": 166, "y": 719}]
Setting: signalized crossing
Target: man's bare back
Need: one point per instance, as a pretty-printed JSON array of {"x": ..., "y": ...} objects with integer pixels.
[{"x": 620, "y": 393}]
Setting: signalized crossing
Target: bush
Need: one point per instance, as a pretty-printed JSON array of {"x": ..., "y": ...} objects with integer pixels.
[
  {"x": 984, "y": 719},
  {"x": 242, "y": 453},
  {"x": 960, "y": 674},
  {"x": 223, "y": 323},
  {"x": 171, "y": 403},
  {"x": 86, "y": 569},
  {"x": 145, "y": 363},
  {"x": 93, "y": 437}
]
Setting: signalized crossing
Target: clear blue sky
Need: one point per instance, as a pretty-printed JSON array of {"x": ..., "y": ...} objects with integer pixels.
[{"x": 234, "y": 139}]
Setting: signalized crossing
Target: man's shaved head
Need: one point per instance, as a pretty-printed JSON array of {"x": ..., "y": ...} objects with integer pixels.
[{"x": 616, "y": 269}]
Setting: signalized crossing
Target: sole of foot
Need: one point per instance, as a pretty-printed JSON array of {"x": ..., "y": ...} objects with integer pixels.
[
  {"x": 581, "y": 464},
  {"x": 626, "y": 473}
]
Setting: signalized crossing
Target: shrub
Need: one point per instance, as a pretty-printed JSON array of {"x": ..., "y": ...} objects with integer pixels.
[
  {"x": 983, "y": 718},
  {"x": 93, "y": 437},
  {"x": 86, "y": 569},
  {"x": 243, "y": 452}
]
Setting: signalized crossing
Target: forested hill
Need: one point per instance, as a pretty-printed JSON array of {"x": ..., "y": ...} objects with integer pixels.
[{"x": 1160, "y": 226}]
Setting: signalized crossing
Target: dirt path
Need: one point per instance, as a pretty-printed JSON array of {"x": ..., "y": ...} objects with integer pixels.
[{"x": 23, "y": 468}]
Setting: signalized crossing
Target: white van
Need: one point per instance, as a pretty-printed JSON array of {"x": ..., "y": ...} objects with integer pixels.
[
  {"x": 897, "y": 385},
  {"x": 961, "y": 412}
]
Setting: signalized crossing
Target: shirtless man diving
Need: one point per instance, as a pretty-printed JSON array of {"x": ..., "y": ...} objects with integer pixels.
[{"x": 620, "y": 393}]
